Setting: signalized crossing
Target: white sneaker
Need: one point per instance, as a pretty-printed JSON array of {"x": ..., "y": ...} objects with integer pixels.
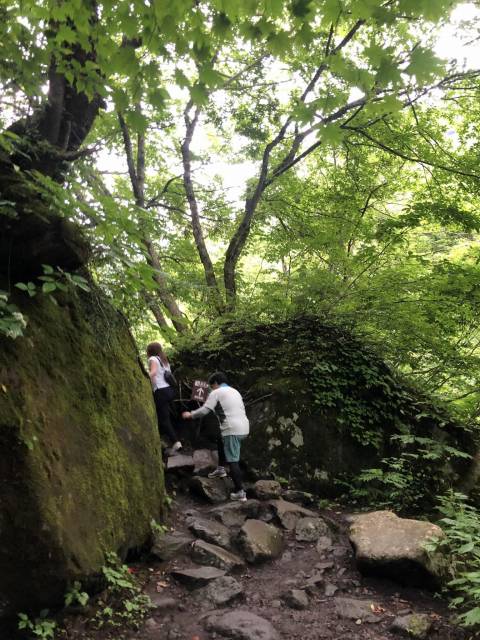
[
  {"x": 177, "y": 446},
  {"x": 218, "y": 473},
  {"x": 240, "y": 496}
]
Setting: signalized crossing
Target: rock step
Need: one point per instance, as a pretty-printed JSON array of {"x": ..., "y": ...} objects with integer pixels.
[{"x": 214, "y": 556}]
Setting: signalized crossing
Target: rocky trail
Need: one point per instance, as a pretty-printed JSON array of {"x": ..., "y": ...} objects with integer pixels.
[{"x": 277, "y": 568}]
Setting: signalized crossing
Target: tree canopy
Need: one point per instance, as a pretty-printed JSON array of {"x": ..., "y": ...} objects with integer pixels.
[{"x": 236, "y": 159}]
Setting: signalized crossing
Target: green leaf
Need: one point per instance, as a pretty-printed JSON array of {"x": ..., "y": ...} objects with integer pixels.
[
  {"x": 424, "y": 65},
  {"x": 210, "y": 77},
  {"x": 48, "y": 287},
  {"x": 279, "y": 43},
  {"x": 181, "y": 79},
  {"x": 199, "y": 94},
  {"x": 158, "y": 97},
  {"x": 331, "y": 134}
]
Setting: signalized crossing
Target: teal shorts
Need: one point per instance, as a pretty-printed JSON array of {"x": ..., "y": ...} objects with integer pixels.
[{"x": 231, "y": 446}]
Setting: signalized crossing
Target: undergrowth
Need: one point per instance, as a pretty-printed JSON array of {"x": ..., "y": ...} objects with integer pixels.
[{"x": 461, "y": 524}]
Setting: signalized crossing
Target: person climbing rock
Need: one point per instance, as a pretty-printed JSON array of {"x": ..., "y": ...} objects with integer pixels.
[
  {"x": 163, "y": 392},
  {"x": 227, "y": 404}
]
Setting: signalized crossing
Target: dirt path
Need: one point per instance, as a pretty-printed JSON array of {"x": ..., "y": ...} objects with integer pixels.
[
  {"x": 265, "y": 584},
  {"x": 264, "y": 587},
  {"x": 309, "y": 591}
]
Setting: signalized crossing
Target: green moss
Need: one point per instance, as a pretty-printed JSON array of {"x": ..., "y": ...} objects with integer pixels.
[
  {"x": 348, "y": 401},
  {"x": 77, "y": 421}
]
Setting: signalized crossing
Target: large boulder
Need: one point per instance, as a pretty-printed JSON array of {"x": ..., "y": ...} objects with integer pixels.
[
  {"x": 323, "y": 405},
  {"x": 80, "y": 458},
  {"x": 394, "y": 547}
]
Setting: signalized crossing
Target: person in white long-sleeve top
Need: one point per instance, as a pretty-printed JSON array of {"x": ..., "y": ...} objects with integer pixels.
[{"x": 227, "y": 404}]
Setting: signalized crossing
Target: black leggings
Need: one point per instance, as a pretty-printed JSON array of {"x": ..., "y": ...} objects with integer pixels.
[
  {"x": 162, "y": 398},
  {"x": 235, "y": 471}
]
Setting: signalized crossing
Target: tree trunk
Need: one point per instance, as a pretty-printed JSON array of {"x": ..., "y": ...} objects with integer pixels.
[{"x": 137, "y": 178}]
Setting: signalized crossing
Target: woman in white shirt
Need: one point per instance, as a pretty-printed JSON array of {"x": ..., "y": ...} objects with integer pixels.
[{"x": 163, "y": 393}]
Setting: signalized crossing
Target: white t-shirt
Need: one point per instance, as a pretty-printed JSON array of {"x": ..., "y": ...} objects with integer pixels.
[
  {"x": 227, "y": 404},
  {"x": 159, "y": 381}
]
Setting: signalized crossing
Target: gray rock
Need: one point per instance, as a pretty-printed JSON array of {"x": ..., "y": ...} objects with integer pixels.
[
  {"x": 330, "y": 589},
  {"x": 221, "y": 591},
  {"x": 276, "y": 604},
  {"x": 324, "y": 544},
  {"x": 326, "y": 566},
  {"x": 214, "y": 556},
  {"x": 234, "y": 514},
  {"x": 267, "y": 489},
  {"x": 204, "y": 460},
  {"x": 260, "y": 541},
  {"x": 394, "y": 547},
  {"x": 180, "y": 462},
  {"x": 288, "y": 513},
  {"x": 167, "y": 546},
  {"x": 162, "y": 603},
  {"x": 214, "y": 490},
  {"x": 197, "y": 576},
  {"x": 210, "y": 531},
  {"x": 310, "y": 529},
  {"x": 151, "y": 624},
  {"x": 241, "y": 625},
  {"x": 300, "y": 497},
  {"x": 296, "y": 599},
  {"x": 314, "y": 583},
  {"x": 353, "y": 609},
  {"x": 416, "y": 625}
]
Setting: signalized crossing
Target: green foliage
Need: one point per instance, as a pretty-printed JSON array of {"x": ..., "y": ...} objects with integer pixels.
[
  {"x": 76, "y": 596},
  {"x": 122, "y": 603},
  {"x": 12, "y": 321},
  {"x": 54, "y": 280},
  {"x": 41, "y": 627},
  {"x": 461, "y": 524},
  {"x": 412, "y": 480},
  {"x": 157, "y": 528}
]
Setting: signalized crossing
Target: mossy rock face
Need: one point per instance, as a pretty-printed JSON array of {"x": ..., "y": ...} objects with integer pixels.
[
  {"x": 322, "y": 404},
  {"x": 80, "y": 459}
]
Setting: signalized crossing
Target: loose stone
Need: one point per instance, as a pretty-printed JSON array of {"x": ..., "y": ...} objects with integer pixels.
[
  {"x": 241, "y": 625},
  {"x": 310, "y": 529},
  {"x": 210, "y": 531},
  {"x": 214, "y": 556},
  {"x": 196, "y": 577},
  {"x": 267, "y": 489},
  {"x": 260, "y": 541},
  {"x": 416, "y": 625},
  {"x": 296, "y": 599},
  {"x": 221, "y": 591}
]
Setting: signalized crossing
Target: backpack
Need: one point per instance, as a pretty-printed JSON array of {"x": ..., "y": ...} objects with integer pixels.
[{"x": 168, "y": 375}]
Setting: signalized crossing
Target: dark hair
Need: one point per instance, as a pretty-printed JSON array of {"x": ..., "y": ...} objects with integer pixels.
[
  {"x": 218, "y": 378},
  {"x": 155, "y": 349}
]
